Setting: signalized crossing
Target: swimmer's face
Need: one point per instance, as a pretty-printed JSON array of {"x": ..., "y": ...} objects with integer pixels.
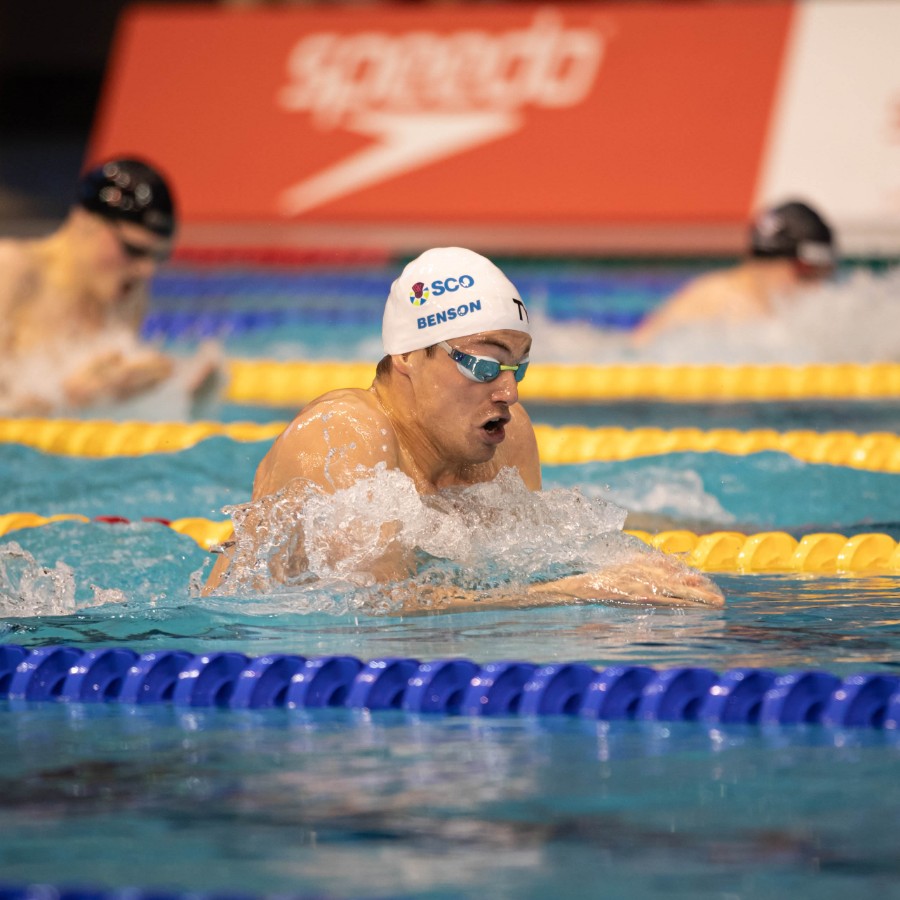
[
  {"x": 125, "y": 256},
  {"x": 466, "y": 420}
]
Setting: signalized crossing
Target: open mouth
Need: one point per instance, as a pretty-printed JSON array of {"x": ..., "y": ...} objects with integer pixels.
[{"x": 494, "y": 426}]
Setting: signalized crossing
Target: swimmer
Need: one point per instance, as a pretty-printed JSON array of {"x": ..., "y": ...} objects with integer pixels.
[
  {"x": 72, "y": 303},
  {"x": 791, "y": 248},
  {"x": 443, "y": 410}
]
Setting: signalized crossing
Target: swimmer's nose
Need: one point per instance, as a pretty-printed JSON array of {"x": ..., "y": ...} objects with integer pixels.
[{"x": 506, "y": 388}]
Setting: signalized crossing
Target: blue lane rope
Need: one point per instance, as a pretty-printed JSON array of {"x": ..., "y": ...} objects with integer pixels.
[
  {"x": 53, "y": 892},
  {"x": 196, "y": 324},
  {"x": 200, "y": 303},
  {"x": 449, "y": 686}
]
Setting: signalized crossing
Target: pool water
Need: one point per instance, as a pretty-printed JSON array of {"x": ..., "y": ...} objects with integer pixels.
[
  {"x": 345, "y": 805},
  {"x": 717, "y": 490},
  {"x": 350, "y": 803},
  {"x": 836, "y": 623}
]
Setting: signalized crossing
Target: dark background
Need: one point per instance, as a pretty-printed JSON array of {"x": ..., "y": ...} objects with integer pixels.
[{"x": 53, "y": 55}]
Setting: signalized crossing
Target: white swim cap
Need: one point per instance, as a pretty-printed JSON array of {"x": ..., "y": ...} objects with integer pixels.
[{"x": 449, "y": 292}]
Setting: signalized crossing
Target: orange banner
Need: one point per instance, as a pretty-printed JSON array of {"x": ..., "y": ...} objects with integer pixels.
[{"x": 613, "y": 112}]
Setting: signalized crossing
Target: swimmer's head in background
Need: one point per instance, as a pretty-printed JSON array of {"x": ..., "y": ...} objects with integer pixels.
[
  {"x": 129, "y": 190},
  {"x": 447, "y": 293},
  {"x": 794, "y": 231}
]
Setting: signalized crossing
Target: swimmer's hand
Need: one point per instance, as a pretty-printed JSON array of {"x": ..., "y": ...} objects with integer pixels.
[
  {"x": 117, "y": 376},
  {"x": 140, "y": 372},
  {"x": 204, "y": 372},
  {"x": 646, "y": 579}
]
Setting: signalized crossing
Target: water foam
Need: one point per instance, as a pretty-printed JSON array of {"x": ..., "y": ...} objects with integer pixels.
[
  {"x": 35, "y": 383},
  {"x": 324, "y": 550},
  {"x": 29, "y": 589},
  {"x": 854, "y": 319},
  {"x": 658, "y": 490}
]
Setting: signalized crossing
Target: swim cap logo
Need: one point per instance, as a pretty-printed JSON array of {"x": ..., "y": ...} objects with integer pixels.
[{"x": 419, "y": 294}]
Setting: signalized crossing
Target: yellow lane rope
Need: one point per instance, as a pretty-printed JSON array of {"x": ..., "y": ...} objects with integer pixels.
[
  {"x": 721, "y": 551},
  {"x": 876, "y": 451},
  {"x": 97, "y": 438},
  {"x": 276, "y": 383}
]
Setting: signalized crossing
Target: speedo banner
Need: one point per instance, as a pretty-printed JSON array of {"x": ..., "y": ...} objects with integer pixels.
[
  {"x": 622, "y": 110},
  {"x": 628, "y": 113}
]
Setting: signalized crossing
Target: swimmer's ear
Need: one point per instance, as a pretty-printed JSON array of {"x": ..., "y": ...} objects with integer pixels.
[{"x": 402, "y": 362}]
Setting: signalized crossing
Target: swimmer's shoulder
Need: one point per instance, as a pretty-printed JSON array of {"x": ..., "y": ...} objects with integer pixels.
[
  {"x": 332, "y": 437},
  {"x": 520, "y": 421},
  {"x": 520, "y": 448},
  {"x": 704, "y": 292},
  {"x": 352, "y": 409},
  {"x": 713, "y": 296},
  {"x": 344, "y": 400}
]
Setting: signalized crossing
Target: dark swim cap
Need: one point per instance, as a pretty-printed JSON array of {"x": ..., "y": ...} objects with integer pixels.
[
  {"x": 131, "y": 191},
  {"x": 793, "y": 231}
]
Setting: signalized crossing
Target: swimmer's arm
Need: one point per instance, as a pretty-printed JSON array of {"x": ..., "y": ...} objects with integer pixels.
[
  {"x": 220, "y": 567},
  {"x": 654, "y": 579},
  {"x": 648, "y": 579},
  {"x": 331, "y": 445},
  {"x": 116, "y": 376},
  {"x": 204, "y": 371}
]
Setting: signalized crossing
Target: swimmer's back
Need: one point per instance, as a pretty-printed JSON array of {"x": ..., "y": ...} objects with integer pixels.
[{"x": 732, "y": 295}]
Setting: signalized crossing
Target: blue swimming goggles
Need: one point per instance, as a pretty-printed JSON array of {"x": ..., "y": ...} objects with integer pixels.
[{"x": 482, "y": 368}]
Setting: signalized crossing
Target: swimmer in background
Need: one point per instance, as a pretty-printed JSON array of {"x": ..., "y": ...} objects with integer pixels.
[
  {"x": 444, "y": 410},
  {"x": 791, "y": 248},
  {"x": 72, "y": 303}
]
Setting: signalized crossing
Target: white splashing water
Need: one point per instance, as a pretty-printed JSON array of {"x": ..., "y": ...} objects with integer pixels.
[
  {"x": 317, "y": 549},
  {"x": 855, "y": 319},
  {"x": 35, "y": 384},
  {"x": 659, "y": 490},
  {"x": 29, "y": 589}
]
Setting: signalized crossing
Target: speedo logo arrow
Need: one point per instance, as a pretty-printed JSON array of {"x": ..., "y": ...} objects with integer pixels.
[
  {"x": 404, "y": 142},
  {"x": 423, "y": 96}
]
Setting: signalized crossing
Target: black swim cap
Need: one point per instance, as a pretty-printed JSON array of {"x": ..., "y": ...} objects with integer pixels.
[
  {"x": 793, "y": 231},
  {"x": 129, "y": 190}
]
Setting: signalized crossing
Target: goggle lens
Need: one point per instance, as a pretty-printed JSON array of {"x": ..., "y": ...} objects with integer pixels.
[
  {"x": 158, "y": 253},
  {"x": 482, "y": 368}
]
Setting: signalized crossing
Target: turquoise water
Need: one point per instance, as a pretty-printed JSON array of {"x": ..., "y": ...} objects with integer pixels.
[
  {"x": 341, "y": 805},
  {"x": 786, "y": 622},
  {"x": 715, "y": 489},
  {"x": 349, "y": 804}
]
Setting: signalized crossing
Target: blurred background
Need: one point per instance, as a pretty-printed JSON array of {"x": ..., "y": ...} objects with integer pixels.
[
  {"x": 53, "y": 57},
  {"x": 605, "y": 153},
  {"x": 834, "y": 109}
]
